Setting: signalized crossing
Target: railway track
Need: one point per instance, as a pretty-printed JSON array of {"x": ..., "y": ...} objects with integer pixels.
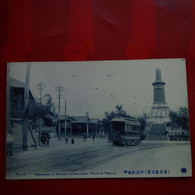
[{"x": 86, "y": 160}]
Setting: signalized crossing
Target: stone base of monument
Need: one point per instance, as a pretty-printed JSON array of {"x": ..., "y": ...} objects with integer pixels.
[{"x": 157, "y": 132}]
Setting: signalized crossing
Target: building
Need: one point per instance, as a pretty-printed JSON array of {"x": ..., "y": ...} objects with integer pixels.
[
  {"x": 78, "y": 125},
  {"x": 17, "y": 89},
  {"x": 34, "y": 127},
  {"x": 65, "y": 127},
  {"x": 17, "y": 97}
]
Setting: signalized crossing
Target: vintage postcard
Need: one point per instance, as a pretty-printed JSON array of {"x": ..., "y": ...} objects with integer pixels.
[{"x": 97, "y": 119}]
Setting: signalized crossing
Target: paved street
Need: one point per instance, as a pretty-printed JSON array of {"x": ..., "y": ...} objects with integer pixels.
[{"x": 98, "y": 159}]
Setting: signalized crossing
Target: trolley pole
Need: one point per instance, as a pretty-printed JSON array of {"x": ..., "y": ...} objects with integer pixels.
[
  {"x": 59, "y": 90},
  {"x": 40, "y": 86}
]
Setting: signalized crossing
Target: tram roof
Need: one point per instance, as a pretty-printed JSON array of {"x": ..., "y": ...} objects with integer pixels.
[
  {"x": 123, "y": 119},
  {"x": 126, "y": 120}
]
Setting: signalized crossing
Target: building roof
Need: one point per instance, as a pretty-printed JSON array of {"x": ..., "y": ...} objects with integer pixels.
[
  {"x": 94, "y": 120},
  {"x": 80, "y": 119},
  {"x": 62, "y": 117},
  {"x": 16, "y": 83},
  {"x": 18, "y": 87}
]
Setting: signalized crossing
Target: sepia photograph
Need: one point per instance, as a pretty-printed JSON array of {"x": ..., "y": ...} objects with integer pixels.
[{"x": 97, "y": 119}]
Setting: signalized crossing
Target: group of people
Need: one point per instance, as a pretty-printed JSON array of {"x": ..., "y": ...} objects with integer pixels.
[
  {"x": 85, "y": 137},
  {"x": 45, "y": 139}
]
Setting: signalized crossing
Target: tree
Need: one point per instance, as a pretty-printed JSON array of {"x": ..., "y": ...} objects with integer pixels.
[
  {"x": 179, "y": 119},
  {"x": 46, "y": 110},
  {"x": 119, "y": 112},
  {"x": 34, "y": 109},
  {"x": 184, "y": 118}
]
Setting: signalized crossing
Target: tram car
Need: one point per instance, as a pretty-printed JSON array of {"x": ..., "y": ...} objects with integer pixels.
[{"x": 124, "y": 131}]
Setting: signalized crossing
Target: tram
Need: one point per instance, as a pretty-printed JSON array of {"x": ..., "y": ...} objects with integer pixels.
[{"x": 124, "y": 131}]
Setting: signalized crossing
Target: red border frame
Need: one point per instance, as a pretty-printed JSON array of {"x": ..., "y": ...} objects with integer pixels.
[{"x": 50, "y": 30}]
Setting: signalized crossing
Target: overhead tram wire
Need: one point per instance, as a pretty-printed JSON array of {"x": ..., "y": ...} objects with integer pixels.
[{"x": 113, "y": 97}]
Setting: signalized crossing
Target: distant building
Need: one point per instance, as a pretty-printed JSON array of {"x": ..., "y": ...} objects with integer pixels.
[
  {"x": 94, "y": 125},
  {"x": 79, "y": 125},
  {"x": 65, "y": 128}
]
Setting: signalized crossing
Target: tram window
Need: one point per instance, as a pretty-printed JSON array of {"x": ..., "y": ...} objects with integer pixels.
[
  {"x": 117, "y": 126},
  {"x": 128, "y": 127}
]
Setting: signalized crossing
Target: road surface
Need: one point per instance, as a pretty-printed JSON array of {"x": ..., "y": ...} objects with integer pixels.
[{"x": 101, "y": 159}]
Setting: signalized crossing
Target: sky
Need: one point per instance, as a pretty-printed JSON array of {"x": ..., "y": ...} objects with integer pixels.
[{"x": 100, "y": 85}]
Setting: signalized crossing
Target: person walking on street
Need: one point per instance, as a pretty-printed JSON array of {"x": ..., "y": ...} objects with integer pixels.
[
  {"x": 84, "y": 137},
  {"x": 72, "y": 141},
  {"x": 93, "y": 137},
  {"x": 47, "y": 140},
  {"x": 10, "y": 142},
  {"x": 66, "y": 139}
]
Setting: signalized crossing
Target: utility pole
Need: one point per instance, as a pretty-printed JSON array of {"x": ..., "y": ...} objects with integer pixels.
[
  {"x": 65, "y": 126},
  {"x": 40, "y": 87},
  {"x": 59, "y": 90},
  {"x": 26, "y": 104},
  {"x": 71, "y": 129},
  {"x": 8, "y": 102},
  {"x": 87, "y": 115}
]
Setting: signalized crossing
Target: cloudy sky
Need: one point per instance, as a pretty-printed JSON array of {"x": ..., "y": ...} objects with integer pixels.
[{"x": 100, "y": 85}]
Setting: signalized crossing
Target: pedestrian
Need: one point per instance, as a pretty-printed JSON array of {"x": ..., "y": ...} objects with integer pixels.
[
  {"x": 10, "y": 142},
  {"x": 84, "y": 137},
  {"x": 72, "y": 141},
  {"x": 66, "y": 139},
  {"x": 47, "y": 140},
  {"x": 43, "y": 139},
  {"x": 93, "y": 137}
]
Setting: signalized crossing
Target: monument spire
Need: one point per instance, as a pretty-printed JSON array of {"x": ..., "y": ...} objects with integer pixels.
[
  {"x": 158, "y": 89},
  {"x": 158, "y": 74},
  {"x": 159, "y": 109}
]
